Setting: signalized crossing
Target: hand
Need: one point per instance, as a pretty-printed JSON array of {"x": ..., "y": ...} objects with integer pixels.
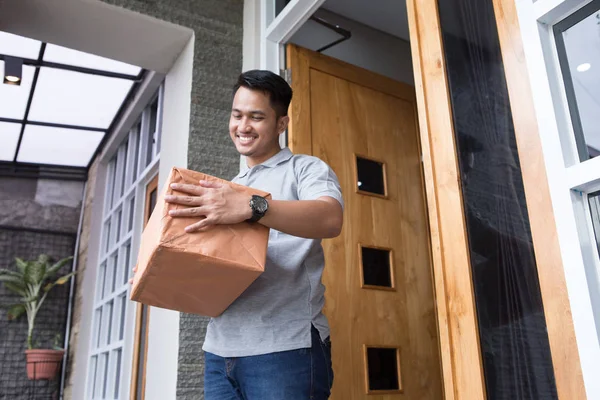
[
  {"x": 214, "y": 202},
  {"x": 134, "y": 271}
]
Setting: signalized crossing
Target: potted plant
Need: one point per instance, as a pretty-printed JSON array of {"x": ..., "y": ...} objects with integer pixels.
[{"x": 32, "y": 281}]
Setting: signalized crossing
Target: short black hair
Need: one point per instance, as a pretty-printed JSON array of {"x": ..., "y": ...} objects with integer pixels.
[{"x": 273, "y": 85}]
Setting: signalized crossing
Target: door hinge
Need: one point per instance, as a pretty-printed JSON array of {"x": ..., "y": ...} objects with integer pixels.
[{"x": 287, "y": 75}]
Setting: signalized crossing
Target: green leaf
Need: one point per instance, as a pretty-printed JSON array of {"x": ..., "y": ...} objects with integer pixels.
[
  {"x": 37, "y": 270},
  {"x": 17, "y": 289},
  {"x": 21, "y": 265},
  {"x": 8, "y": 272},
  {"x": 60, "y": 281},
  {"x": 15, "y": 312},
  {"x": 56, "y": 267},
  {"x": 12, "y": 279}
]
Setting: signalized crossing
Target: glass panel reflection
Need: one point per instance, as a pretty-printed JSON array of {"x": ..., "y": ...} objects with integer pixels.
[
  {"x": 577, "y": 44},
  {"x": 73, "y": 98},
  {"x": 594, "y": 200},
  {"x": 513, "y": 338},
  {"x": 382, "y": 367},
  {"x": 13, "y": 98},
  {"x": 58, "y": 146},
  {"x": 376, "y": 267},
  {"x": 9, "y": 137},
  {"x": 371, "y": 178}
]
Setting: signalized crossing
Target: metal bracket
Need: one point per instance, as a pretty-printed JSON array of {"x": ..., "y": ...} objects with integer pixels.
[{"x": 346, "y": 34}]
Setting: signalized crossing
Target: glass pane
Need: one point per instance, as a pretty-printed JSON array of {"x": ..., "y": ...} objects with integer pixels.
[
  {"x": 126, "y": 267},
  {"x": 63, "y": 55},
  {"x": 92, "y": 375},
  {"x": 107, "y": 233},
  {"x": 114, "y": 259},
  {"x": 131, "y": 214},
  {"x": 96, "y": 327},
  {"x": 59, "y": 146},
  {"x": 594, "y": 199},
  {"x": 123, "y": 307},
  {"x": 9, "y": 137},
  {"x": 103, "y": 375},
  {"x": 73, "y": 98},
  {"x": 512, "y": 326},
  {"x": 118, "y": 226},
  {"x": 109, "y": 277},
  {"x": 280, "y": 5},
  {"x": 19, "y": 46},
  {"x": 154, "y": 126},
  {"x": 13, "y": 98},
  {"x": 117, "y": 376},
  {"x": 109, "y": 321},
  {"x": 125, "y": 150},
  {"x": 382, "y": 366},
  {"x": 371, "y": 177},
  {"x": 101, "y": 281},
  {"x": 136, "y": 150},
  {"x": 578, "y": 44},
  {"x": 376, "y": 267}
]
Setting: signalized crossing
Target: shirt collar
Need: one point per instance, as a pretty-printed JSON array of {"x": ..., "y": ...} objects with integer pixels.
[{"x": 284, "y": 155}]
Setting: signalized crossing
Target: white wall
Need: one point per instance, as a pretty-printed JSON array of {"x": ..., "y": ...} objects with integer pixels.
[
  {"x": 163, "y": 330},
  {"x": 368, "y": 48}
]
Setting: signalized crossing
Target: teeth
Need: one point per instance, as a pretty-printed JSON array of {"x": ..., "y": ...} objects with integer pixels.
[{"x": 246, "y": 139}]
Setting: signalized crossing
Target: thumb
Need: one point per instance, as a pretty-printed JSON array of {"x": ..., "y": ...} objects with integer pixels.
[{"x": 210, "y": 184}]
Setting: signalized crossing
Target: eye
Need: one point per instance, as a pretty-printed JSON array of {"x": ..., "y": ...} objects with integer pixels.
[
  {"x": 256, "y": 118},
  {"x": 236, "y": 116}
]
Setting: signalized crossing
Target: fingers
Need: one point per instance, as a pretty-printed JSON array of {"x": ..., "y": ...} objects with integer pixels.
[
  {"x": 211, "y": 184},
  {"x": 187, "y": 188},
  {"x": 189, "y": 212},
  {"x": 200, "y": 225},
  {"x": 184, "y": 200}
]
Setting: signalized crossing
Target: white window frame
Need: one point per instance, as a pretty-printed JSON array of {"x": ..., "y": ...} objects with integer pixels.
[
  {"x": 569, "y": 179},
  {"x": 115, "y": 203}
]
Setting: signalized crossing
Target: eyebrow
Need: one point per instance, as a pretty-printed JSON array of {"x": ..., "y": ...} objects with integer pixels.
[{"x": 251, "y": 112}]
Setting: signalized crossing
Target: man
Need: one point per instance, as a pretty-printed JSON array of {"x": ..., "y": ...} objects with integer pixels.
[{"x": 273, "y": 341}]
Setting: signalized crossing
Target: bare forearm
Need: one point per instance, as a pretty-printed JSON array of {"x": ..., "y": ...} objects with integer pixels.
[{"x": 315, "y": 219}]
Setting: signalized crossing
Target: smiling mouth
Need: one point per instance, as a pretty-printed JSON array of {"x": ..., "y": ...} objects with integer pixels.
[{"x": 246, "y": 139}]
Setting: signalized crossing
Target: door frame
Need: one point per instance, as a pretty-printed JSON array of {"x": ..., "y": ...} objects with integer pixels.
[{"x": 462, "y": 367}]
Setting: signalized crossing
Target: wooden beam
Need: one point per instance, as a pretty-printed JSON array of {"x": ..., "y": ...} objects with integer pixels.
[{"x": 457, "y": 322}]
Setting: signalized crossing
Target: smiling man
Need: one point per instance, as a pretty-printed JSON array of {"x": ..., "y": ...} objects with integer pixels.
[{"x": 273, "y": 342}]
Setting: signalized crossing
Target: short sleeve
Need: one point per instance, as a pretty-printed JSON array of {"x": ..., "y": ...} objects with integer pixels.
[{"x": 316, "y": 179}]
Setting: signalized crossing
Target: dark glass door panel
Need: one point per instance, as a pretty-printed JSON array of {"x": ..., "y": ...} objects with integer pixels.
[{"x": 513, "y": 338}]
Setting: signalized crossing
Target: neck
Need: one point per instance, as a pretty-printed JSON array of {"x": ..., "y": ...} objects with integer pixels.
[{"x": 252, "y": 161}]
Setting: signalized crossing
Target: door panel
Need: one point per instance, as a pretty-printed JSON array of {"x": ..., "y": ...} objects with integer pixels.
[{"x": 384, "y": 339}]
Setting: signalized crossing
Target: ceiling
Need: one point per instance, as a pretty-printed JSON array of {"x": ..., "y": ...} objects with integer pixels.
[
  {"x": 389, "y": 16},
  {"x": 64, "y": 106}
]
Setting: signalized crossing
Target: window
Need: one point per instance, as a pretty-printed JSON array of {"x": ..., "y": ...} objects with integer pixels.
[
  {"x": 577, "y": 42},
  {"x": 128, "y": 173}
]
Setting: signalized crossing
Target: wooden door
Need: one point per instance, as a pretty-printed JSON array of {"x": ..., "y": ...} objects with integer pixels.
[{"x": 378, "y": 274}]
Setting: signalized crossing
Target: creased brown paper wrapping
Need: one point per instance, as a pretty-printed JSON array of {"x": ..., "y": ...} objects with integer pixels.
[{"x": 201, "y": 272}]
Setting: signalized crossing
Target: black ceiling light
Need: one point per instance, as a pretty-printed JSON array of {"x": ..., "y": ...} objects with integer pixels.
[{"x": 13, "y": 70}]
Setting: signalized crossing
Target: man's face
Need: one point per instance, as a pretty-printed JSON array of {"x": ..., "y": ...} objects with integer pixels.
[{"x": 254, "y": 126}]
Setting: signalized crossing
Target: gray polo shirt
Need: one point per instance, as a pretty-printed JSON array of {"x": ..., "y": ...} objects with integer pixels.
[{"x": 276, "y": 312}]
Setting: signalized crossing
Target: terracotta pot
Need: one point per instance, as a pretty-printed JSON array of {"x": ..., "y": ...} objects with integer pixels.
[{"x": 43, "y": 363}]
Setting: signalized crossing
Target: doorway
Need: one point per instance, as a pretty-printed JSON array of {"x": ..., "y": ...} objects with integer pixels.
[{"x": 355, "y": 108}]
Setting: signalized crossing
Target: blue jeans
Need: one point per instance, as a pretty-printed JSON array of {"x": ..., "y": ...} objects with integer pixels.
[{"x": 301, "y": 374}]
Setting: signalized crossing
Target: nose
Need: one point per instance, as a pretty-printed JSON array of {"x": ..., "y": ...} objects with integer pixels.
[{"x": 244, "y": 125}]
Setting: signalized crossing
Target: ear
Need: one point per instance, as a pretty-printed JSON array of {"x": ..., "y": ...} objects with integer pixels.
[{"x": 282, "y": 124}]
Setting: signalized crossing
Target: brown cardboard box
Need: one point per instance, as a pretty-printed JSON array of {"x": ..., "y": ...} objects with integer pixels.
[{"x": 201, "y": 272}]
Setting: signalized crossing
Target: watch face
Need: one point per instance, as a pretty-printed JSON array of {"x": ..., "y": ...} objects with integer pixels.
[{"x": 260, "y": 204}]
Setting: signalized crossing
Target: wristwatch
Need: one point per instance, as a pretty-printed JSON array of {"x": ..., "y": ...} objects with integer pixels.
[{"x": 259, "y": 206}]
